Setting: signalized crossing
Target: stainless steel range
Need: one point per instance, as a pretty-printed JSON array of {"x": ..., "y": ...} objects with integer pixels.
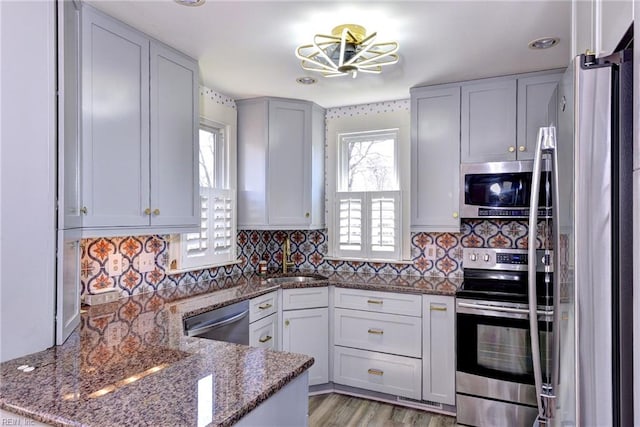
[{"x": 494, "y": 376}]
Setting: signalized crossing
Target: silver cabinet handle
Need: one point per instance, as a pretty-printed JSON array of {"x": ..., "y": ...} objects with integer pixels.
[
  {"x": 375, "y": 331},
  {"x": 265, "y": 339},
  {"x": 265, "y": 306},
  {"x": 377, "y": 372}
]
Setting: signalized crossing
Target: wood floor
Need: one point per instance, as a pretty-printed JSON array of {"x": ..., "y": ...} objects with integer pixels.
[{"x": 336, "y": 410}]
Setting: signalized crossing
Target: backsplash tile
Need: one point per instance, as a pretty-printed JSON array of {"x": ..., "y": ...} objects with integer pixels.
[{"x": 308, "y": 251}]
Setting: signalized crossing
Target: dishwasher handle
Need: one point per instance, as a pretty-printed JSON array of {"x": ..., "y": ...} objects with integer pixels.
[{"x": 205, "y": 326}]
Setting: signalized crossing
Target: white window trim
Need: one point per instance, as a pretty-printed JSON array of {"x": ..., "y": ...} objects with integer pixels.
[
  {"x": 177, "y": 255},
  {"x": 399, "y": 120}
]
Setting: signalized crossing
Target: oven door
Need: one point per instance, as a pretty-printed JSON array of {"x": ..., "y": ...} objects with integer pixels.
[{"x": 494, "y": 349}]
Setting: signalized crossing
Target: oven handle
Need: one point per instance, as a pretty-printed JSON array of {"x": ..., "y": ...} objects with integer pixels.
[{"x": 510, "y": 310}]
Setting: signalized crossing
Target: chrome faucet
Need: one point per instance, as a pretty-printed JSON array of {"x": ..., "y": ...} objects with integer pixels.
[{"x": 286, "y": 254}]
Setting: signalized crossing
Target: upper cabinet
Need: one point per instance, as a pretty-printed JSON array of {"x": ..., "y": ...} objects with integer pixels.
[
  {"x": 435, "y": 158},
  {"x": 501, "y": 116},
  {"x": 537, "y": 102},
  {"x": 139, "y": 131},
  {"x": 280, "y": 164},
  {"x": 488, "y": 120}
]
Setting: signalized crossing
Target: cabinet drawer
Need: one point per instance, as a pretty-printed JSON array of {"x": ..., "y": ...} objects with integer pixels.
[
  {"x": 382, "y": 302},
  {"x": 294, "y": 299},
  {"x": 263, "y": 306},
  {"x": 262, "y": 333},
  {"x": 384, "y": 373},
  {"x": 387, "y": 333}
]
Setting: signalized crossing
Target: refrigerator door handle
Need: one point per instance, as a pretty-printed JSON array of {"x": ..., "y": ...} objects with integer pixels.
[
  {"x": 545, "y": 392},
  {"x": 532, "y": 239}
]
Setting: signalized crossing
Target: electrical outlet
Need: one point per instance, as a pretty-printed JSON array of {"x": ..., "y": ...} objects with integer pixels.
[
  {"x": 146, "y": 262},
  {"x": 114, "y": 266},
  {"x": 431, "y": 252}
]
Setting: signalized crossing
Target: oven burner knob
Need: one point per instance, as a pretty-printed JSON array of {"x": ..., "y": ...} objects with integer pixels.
[
  {"x": 486, "y": 257},
  {"x": 473, "y": 257}
]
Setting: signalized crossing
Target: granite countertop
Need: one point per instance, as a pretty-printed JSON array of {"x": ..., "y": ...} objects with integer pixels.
[{"x": 129, "y": 362}]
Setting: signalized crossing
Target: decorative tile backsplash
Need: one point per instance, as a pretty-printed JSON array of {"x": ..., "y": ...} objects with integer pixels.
[{"x": 308, "y": 250}]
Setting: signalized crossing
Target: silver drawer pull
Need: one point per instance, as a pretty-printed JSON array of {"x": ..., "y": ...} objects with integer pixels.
[
  {"x": 265, "y": 306},
  {"x": 374, "y": 301},
  {"x": 265, "y": 339},
  {"x": 376, "y": 331},
  {"x": 434, "y": 308},
  {"x": 377, "y": 372}
]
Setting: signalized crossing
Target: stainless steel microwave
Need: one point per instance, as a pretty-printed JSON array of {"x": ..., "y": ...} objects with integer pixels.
[{"x": 501, "y": 190}]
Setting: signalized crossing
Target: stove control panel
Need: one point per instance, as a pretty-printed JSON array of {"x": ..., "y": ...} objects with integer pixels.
[{"x": 505, "y": 259}]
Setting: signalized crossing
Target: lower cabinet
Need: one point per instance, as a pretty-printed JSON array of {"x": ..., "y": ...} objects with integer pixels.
[
  {"x": 263, "y": 321},
  {"x": 438, "y": 349},
  {"x": 263, "y": 332},
  {"x": 377, "y": 337},
  {"x": 384, "y": 373},
  {"x": 305, "y": 330}
]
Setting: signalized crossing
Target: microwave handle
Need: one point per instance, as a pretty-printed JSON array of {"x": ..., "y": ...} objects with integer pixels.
[{"x": 546, "y": 143}]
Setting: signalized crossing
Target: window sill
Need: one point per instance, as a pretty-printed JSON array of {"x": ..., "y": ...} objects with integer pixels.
[
  {"x": 372, "y": 260},
  {"x": 204, "y": 267}
]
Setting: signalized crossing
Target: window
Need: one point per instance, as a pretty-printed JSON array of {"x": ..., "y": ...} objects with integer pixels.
[
  {"x": 215, "y": 243},
  {"x": 367, "y": 215}
]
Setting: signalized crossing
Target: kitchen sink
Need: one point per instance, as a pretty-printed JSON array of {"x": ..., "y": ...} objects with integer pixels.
[{"x": 296, "y": 279}]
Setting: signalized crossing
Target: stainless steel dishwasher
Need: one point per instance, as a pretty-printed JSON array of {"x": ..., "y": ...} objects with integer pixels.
[{"x": 229, "y": 323}]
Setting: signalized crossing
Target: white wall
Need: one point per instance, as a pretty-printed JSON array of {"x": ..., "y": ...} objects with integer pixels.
[{"x": 27, "y": 177}]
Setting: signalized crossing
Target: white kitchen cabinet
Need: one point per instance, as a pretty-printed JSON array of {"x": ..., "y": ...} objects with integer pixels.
[
  {"x": 263, "y": 333},
  {"x": 295, "y": 299},
  {"x": 69, "y": 126},
  {"x": 307, "y": 332},
  {"x": 306, "y": 329},
  {"x": 377, "y": 301},
  {"x": 263, "y": 306},
  {"x": 67, "y": 284},
  {"x": 263, "y": 321},
  {"x": 175, "y": 188},
  {"x": 438, "y": 349},
  {"x": 535, "y": 93},
  {"x": 386, "y": 333},
  {"x": 384, "y": 373},
  {"x": 435, "y": 158},
  {"x": 139, "y": 131},
  {"x": 280, "y": 164},
  {"x": 488, "y": 120}
]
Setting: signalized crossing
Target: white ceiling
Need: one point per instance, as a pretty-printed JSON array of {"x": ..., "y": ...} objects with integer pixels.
[{"x": 246, "y": 48}]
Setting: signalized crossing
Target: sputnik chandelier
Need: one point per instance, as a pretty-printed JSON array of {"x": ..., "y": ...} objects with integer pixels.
[{"x": 348, "y": 50}]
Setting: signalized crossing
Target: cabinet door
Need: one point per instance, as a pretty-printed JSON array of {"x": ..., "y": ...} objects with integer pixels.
[
  {"x": 289, "y": 168},
  {"x": 69, "y": 104},
  {"x": 488, "y": 121},
  {"x": 68, "y": 284},
  {"x": 435, "y": 159},
  {"x": 115, "y": 122},
  {"x": 534, "y": 98},
  {"x": 307, "y": 332},
  {"x": 262, "y": 333},
  {"x": 438, "y": 349},
  {"x": 175, "y": 196}
]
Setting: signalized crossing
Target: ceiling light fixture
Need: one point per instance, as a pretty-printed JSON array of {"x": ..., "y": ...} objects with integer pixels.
[
  {"x": 190, "y": 2},
  {"x": 543, "y": 43},
  {"x": 306, "y": 80},
  {"x": 347, "y": 50}
]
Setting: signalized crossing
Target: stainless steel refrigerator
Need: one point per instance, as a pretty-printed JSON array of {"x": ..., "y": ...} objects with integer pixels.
[{"x": 588, "y": 381}]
